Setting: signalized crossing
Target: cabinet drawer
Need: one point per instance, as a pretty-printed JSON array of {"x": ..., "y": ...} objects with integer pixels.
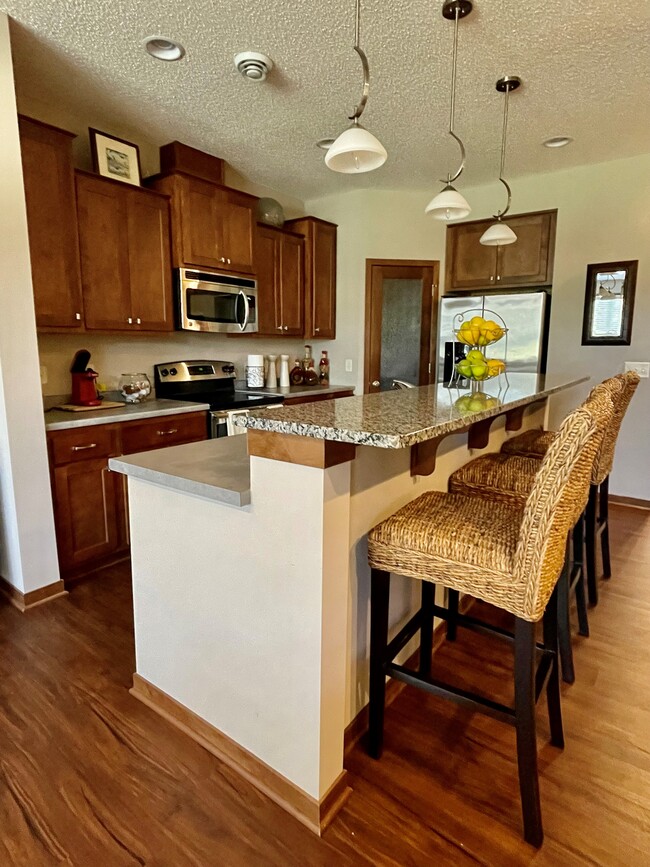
[
  {"x": 82, "y": 444},
  {"x": 157, "y": 433}
]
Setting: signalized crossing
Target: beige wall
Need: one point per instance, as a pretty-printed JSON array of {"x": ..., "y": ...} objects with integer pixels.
[
  {"x": 27, "y": 546},
  {"x": 603, "y": 215}
]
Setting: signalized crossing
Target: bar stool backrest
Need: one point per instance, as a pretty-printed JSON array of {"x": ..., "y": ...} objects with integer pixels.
[
  {"x": 622, "y": 388},
  {"x": 562, "y": 480}
]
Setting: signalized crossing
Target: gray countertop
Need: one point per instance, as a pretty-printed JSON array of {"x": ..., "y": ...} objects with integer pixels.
[
  {"x": 213, "y": 469},
  {"x": 399, "y": 419},
  {"x": 56, "y": 419},
  {"x": 295, "y": 390}
]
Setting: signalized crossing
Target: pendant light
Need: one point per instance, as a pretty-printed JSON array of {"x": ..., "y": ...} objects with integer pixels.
[
  {"x": 449, "y": 205},
  {"x": 356, "y": 150},
  {"x": 499, "y": 234}
]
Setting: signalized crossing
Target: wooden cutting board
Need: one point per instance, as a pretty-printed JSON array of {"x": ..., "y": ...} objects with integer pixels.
[{"x": 105, "y": 404}]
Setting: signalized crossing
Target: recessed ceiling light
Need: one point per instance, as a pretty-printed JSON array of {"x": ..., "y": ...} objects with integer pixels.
[
  {"x": 325, "y": 143},
  {"x": 557, "y": 141},
  {"x": 163, "y": 48}
]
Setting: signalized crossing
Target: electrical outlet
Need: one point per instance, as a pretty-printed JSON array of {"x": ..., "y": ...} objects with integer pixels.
[
  {"x": 348, "y": 365},
  {"x": 641, "y": 367},
  {"x": 43, "y": 374}
]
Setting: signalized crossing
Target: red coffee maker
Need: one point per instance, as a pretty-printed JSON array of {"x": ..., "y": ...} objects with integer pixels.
[{"x": 84, "y": 390}]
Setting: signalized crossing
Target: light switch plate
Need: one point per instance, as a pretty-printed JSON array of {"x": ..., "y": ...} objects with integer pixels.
[
  {"x": 641, "y": 367},
  {"x": 348, "y": 365},
  {"x": 43, "y": 374}
]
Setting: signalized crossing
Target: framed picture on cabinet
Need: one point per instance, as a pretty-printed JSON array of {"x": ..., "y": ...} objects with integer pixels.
[
  {"x": 609, "y": 303},
  {"x": 115, "y": 158}
]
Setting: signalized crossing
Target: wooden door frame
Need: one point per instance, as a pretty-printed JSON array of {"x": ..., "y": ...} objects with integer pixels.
[{"x": 371, "y": 313}]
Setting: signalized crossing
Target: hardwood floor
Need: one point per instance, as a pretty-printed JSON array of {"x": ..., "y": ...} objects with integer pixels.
[{"x": 89, "y": 776}]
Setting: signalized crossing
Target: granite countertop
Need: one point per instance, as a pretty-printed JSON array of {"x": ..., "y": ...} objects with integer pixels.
[
  {"x": 57, "y": 419},
  {"x": 216, "y": 469},
  {"x": 295, "y": 390},
  {"x": 399, "y": 419}
]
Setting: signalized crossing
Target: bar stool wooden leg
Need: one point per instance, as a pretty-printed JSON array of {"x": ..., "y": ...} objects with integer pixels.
[
  {"x": 590, "y": 542},
  {"x": 426, "y": 629},
  {"x": 379, "y": 599},
  {"x": 553, "y": 685},
  {"x": 603, "y": 522},
  {"x": 579, "y": 561},
  {"x": 525, "y": 727},
  {"x": 564, "y": 622},
  {"x": 452, "y": 608}
]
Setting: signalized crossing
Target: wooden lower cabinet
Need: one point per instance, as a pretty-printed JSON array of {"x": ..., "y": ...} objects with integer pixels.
[
  {"x": 89, "y": 511},
  {"x": 90, "y": 501}
]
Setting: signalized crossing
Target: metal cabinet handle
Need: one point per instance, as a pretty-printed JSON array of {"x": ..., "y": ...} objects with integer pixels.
[
  {"x": 376, "y": 383},
  {"x": 498, "y": 277},
  {"x": 492, "y": 279},
  {"x": 138, "y": 321},
  {"x": 164, "y": 433},
  {"x": 286, "y": 327},
  {"x": 316, "y": 330},
  {"x": 222, "y": 259},
  {"x": 229, "y": 261},
  {"x": 130, "y": 320},
  {"x": 77, "y": 316},
  {"x": 83, "y": 448},
  {"x": 279, "y": 328}
]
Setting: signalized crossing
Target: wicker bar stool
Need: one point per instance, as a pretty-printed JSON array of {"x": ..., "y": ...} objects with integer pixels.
[
  {"x": 510, "y": 478},
  {"x": 507, "y": 555},
  {"x": 534, "y": 444}
]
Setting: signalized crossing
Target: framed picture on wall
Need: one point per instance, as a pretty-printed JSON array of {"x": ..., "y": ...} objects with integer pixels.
[
  {"x": 609, "y": 303},
  {"x": 115, "y": 158}
]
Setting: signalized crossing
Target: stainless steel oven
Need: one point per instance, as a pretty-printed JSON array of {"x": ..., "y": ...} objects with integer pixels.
[{"x": 208, "y": 301}]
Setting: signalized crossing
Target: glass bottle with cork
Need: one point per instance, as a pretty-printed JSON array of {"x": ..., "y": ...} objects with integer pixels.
[
  {"x": 324, "y": 369},
  {"x": 309, "y": 375}
]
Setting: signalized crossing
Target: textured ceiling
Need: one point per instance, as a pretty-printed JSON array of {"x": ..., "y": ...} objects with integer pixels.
[{"x": 585, "y": 68}]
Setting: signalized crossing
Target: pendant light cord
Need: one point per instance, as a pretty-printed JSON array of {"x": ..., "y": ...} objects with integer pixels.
[
  {"x": 452, "y": 108},
  {"x": 500, "y": 214},
  {"x": 358, "y": 110}
]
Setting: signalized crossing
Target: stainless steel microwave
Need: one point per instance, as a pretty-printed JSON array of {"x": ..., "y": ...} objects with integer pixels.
[{"x": 207, "y": 301}]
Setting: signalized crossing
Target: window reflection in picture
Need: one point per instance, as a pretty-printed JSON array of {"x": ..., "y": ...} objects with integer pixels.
[{"x": 609, "y": 303}]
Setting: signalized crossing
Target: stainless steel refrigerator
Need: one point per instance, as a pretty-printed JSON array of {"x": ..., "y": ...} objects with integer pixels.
[{"x": 525, "y": 316}]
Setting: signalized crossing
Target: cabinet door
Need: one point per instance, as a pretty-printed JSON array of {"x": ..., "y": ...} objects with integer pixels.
[
  {"x": 237, "y": 229},
  {"x": 267, "y": 267},
  {"x": 48, "y": 177},
  {"x": 103, "y": 241},
  {"x": 292, "y": 284},
  {"x": 87, "y": 512},
  {"x": 529, "y": 261},
  {"x": 201, "y": 223},
  {"x": 149, "y": 261},
  {"x": 469, "y": 263},
  {"x": 323, "y": 281}
]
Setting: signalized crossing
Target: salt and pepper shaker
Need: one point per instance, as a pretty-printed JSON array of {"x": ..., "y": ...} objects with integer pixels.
[
  {"x": 271, "y": 373},
  {"x": 284, "y": 371}
]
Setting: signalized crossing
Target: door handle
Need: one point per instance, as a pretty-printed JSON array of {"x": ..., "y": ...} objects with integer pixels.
[
  {"x": 247, "y": 311},
  {"x": 376, "y": 383}
]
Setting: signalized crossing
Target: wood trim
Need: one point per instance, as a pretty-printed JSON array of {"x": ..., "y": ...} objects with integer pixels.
[
  {"x": 314, "y": 814},
  {"x": 309, "y": 398},
  {"x": 294, "y": 449},
  {"x": 357, "y": 728},
  {"x": 24, "y": 601},
  {"x": 631, "y": 502}
]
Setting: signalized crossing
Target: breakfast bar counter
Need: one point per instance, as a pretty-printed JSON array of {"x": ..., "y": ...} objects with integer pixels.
[{"x": 251, "y": 617}]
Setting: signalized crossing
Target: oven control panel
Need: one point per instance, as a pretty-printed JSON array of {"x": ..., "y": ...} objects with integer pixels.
[{"x": 194, "y": 371}]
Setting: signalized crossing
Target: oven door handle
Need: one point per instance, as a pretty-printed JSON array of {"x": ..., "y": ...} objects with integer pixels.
[{"x": 247, "y": 311}]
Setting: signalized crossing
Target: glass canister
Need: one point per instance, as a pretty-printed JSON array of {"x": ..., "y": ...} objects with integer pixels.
[{"x": 135, "y": 387}]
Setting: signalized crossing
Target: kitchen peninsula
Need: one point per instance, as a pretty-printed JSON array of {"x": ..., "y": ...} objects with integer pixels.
[{"x": 251, "y": 611}]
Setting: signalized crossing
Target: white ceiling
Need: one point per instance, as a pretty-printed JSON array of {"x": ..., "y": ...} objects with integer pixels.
[{"x": 585, "y": 67}]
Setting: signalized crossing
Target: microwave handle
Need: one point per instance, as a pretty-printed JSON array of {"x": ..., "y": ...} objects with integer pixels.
[{"x": 247, "y": 311}]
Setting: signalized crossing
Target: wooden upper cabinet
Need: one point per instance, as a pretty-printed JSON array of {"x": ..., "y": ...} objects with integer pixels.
[
  {"x": 280, "y": 281},
  {"x": 125, "y": 256},
  {"x": 527, "y": 262},
  {"x": 103, "y": 240},
  {"x": 48, "y": 177},
  {"x": 292, "y": 283},
  {"x": 320, "y": 276},
  {"x": 150, "y": 273},
  {"x": 212, "y": 225}
]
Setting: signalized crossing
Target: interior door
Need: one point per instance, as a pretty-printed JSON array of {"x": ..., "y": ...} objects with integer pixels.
[{"x": 401, "y": 316}]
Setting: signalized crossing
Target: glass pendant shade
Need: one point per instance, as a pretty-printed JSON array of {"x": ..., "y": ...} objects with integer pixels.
[
  {"x": 498, "y": 235},
  {"x": 356, "y": 150},
  {"x": 448, "y": 205}
]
